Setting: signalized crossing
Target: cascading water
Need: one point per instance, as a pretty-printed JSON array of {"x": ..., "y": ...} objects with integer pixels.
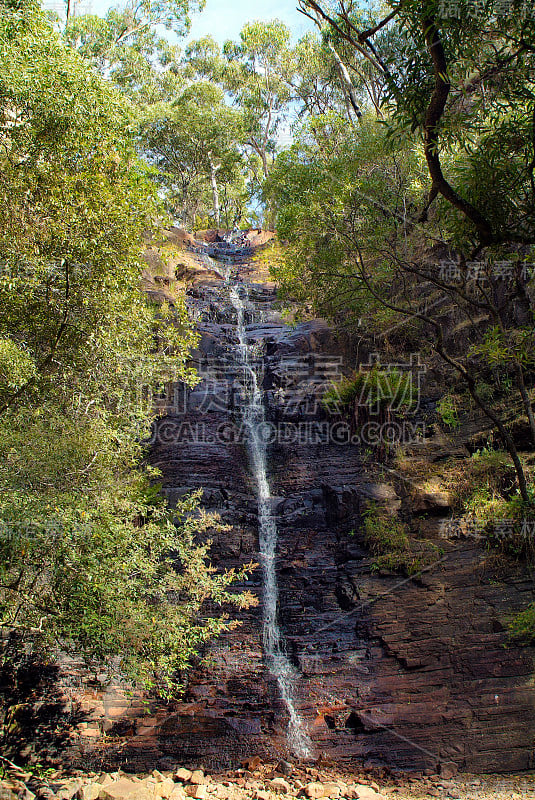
[{"x": 254, "y": 423}]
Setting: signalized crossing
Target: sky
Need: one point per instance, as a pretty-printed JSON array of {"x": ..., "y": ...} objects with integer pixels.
[{"x": 222, "y": 19}]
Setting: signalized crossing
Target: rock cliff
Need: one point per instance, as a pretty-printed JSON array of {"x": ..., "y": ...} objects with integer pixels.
[{"x": 411, "y": 671}]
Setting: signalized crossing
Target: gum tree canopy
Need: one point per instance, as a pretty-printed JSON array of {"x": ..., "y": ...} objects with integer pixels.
[
  {"x": 90, "y": 557},
  {"x": 439, "y": 167}
]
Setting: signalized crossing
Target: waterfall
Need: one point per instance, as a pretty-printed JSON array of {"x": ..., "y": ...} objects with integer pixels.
[{"x": 254, "y": 421}]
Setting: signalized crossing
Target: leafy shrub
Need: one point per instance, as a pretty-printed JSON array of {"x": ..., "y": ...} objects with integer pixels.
[
  {"x": 483, "y": 489},
  {"x": 90, "y": 560},
  {"x": 375, "y": 390},
  {"x": 475, "y": 482},
  {"x": 447, "y": 411},
  {"x": 486, "y": 391},
  {"x": 388, "y": 539},
  {"x": 120, "y": 579},
  {"x": 17, "y": 367},
  {"x": 522, "y": 626}
]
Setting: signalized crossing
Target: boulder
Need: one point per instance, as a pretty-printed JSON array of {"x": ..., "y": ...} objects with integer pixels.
[
  {"x": 367, "y": 793},
  {"x": 314, "y": 790},
  {"x": 164, "y": 788},
  {"x": 183, "y": 775},
  {"x": 69, "y": 790},
  {"x": 179, "y": 236},
  {"x": 350, "y": 793},
  {"x": 430, "y": 502},
  {"x": 91, "y": 791},
  {"x": 280, "y": 786},
  {"x": 331, "y": 789},
  {"x": 222, "y": 792},
  {"x": 448, "y": 769},
  {"x": 197, "y": 791},
  {"x": 178, "y": 793},
  {"x": 198, "y": 777},
  {"x": 125, "y": 789},
  {"x": 383, "y": 494},
  {"x": 251, "y": 763},
  {"x": 285, "y": 768}
]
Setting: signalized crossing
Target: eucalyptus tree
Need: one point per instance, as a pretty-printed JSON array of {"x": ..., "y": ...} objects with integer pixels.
[
  {"x": 195, "y": 143},
  {"x": 315, "y": 82},
  {"x": 457, "y": 92},
  {"x": 90, "y": 557},
  {"x": 126, "y": 47},
  {"x": 256, "y": 73},
  {"x": 259, "y": 66},
  {"x": 462, "y": 77}
]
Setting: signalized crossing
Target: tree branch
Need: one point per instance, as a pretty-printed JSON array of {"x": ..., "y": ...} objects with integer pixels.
[{"x": 435, "y": 111}]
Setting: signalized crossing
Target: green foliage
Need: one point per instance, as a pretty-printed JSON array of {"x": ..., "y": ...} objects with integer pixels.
[
  {"x": 522, "y": 627},
  {"x": 90, "y": 559},
  {"x": 257, "y": 68},
  {"x": 440, "y": 170},
  {"x": 331, "y": 200},
  {"x": 448, "y": 412},
  {"x": 16, "y": 367},
  {"x": 487, "y": 472},
  {"x": 384, "y": 532},
  {"x": 388, "y": 539},
  {"x": 255, "y": 72},
  {"x": 483, "y": 494},
  {"x": 127, "y": 47},
  {"x": 113, "y": 575},
  {"x": 375, "y": 389},
  {"x": 195, "y": 138},
  {"x": 72, "y": 224},
  {"x": 316, "y": 81},
  {"x": 486, "y": 391},
  {"x": 500, "y": 347},
  {"x": 38, "y": 770}
]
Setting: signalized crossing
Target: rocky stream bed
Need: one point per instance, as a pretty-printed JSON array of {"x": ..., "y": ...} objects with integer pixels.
[{"x": 259, "y": 781}]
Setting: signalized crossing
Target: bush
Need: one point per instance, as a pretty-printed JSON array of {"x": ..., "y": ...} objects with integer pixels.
[
  {"x": 486, "y": 476},
  {"x": 116, "y": 577},
  {"x": 522, "y": 627},
  {"x": 388, "y": 539},
  {"x": 447, "y": 411},
  {"x": 483, "y": 490},
  {"x": 376, "y": 390},
  {"x": 90, "y": 559}
]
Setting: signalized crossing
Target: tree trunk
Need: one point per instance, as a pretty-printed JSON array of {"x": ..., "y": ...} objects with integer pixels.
[
  {"x": 265, "y": 169},
  {"x": 347, "y": 84},
  {"x": 526, "y": 400},
  {"x": 215, "y": 191},
  {"x": 433, "y": 117}
]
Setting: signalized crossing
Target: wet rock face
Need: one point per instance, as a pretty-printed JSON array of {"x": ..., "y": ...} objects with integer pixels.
[{"x": 412, "y": 672}]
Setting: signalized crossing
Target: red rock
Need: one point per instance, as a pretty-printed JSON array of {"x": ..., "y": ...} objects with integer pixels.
[
  {"x": 424, "y": 655},
  {"x": 125, "y": 789},
  {"x": 197, "y": 791},
  {"x": 448, "y": 769},
  {"x": 314, "y": 790},
  {"x": 252, "y": 763}
]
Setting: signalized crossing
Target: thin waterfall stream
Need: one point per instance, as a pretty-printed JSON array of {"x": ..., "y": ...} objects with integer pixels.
[{"x": 254, "y": 420}]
